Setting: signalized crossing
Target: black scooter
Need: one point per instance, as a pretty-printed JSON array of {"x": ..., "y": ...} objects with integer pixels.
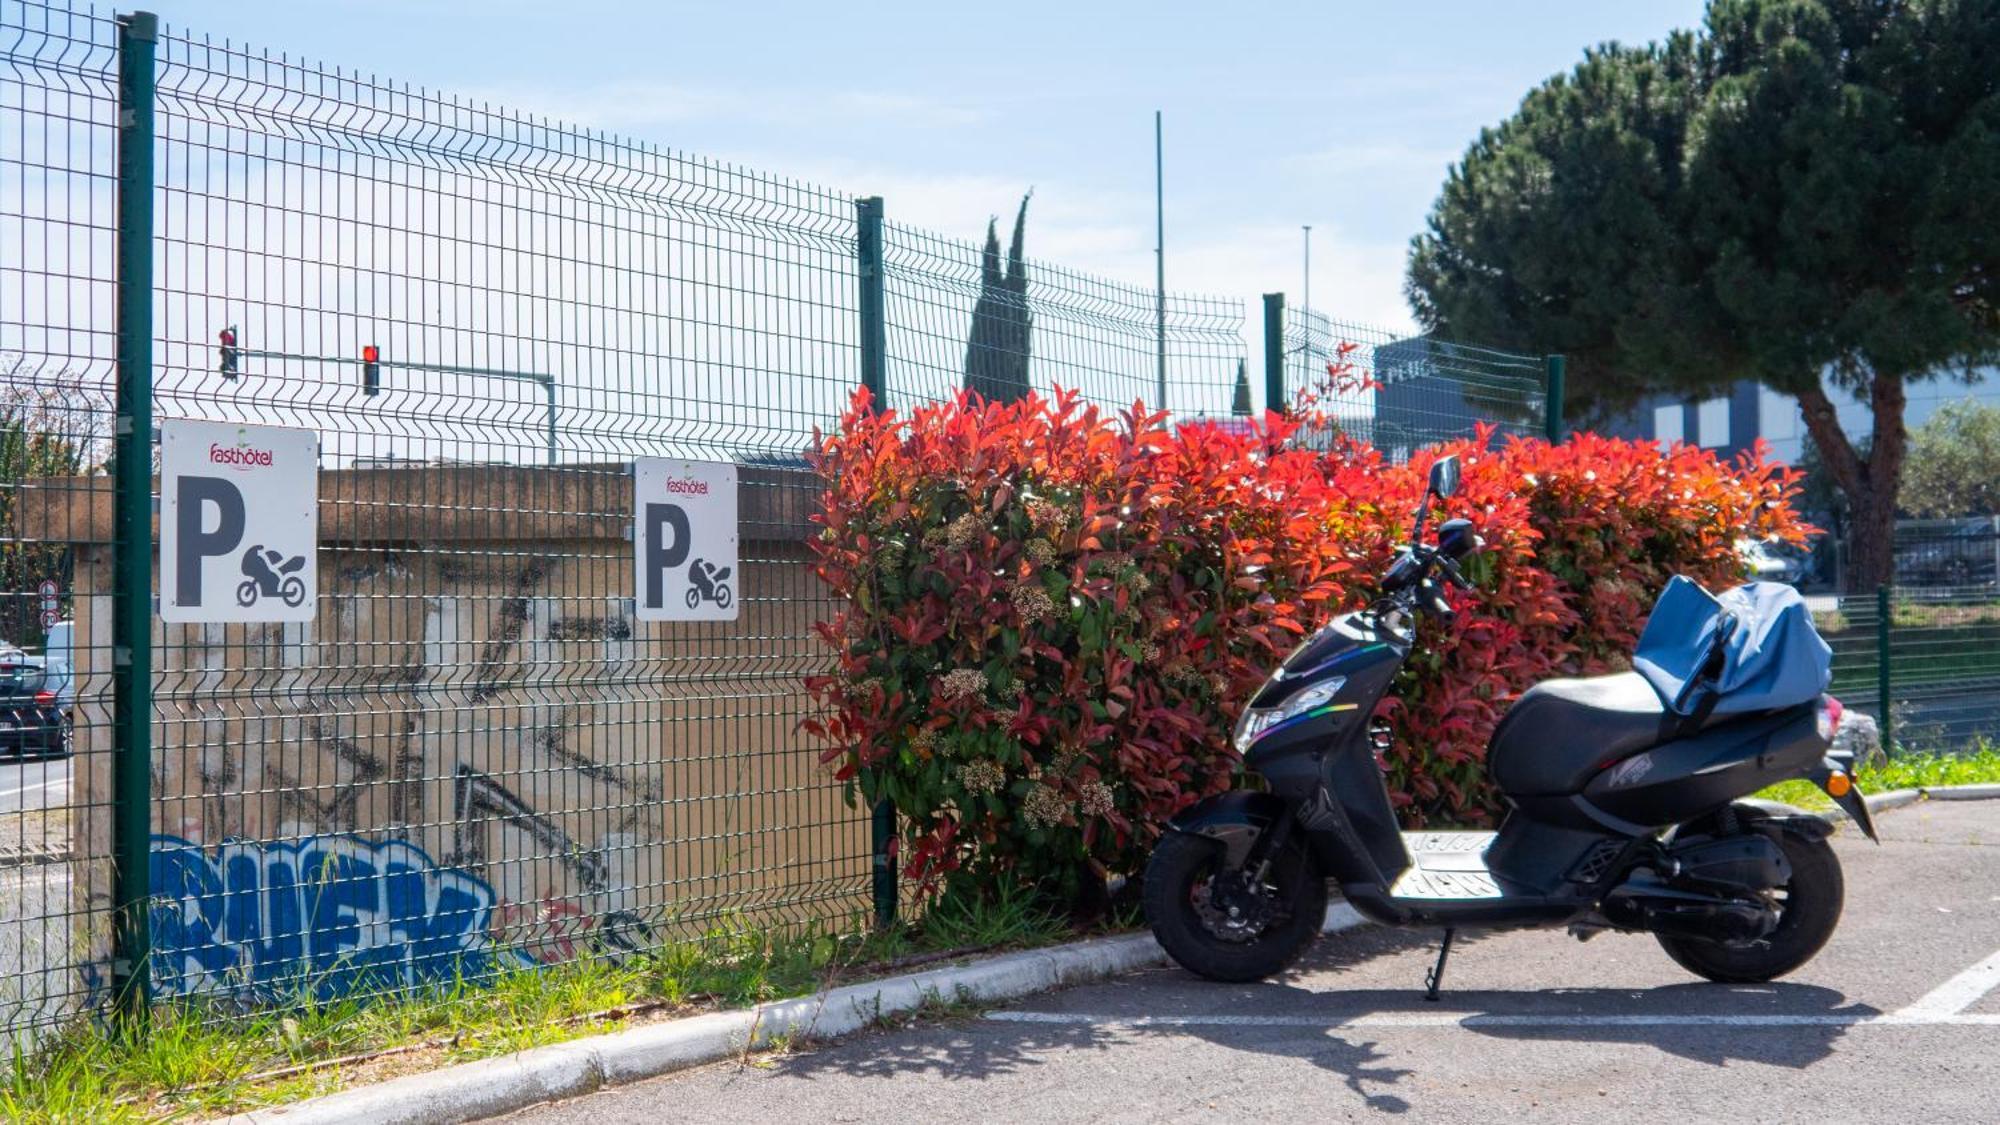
[{"x": 1624, "y": 816}]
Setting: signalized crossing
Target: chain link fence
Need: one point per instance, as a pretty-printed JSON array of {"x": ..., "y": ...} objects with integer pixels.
[{"x": 474, "y": 751}]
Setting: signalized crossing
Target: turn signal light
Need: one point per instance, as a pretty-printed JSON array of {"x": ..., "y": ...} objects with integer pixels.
[{"x": 1839, "y": 785}]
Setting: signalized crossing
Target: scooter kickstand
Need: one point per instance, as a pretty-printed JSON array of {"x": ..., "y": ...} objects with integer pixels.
[{"x": 1436, "y": 976}]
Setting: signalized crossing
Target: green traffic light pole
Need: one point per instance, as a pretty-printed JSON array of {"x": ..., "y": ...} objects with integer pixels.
[{"x": 548, "y": 382}]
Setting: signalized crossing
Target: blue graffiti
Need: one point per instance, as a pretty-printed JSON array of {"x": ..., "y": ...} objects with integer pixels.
[{"x": 330, "y": 915}]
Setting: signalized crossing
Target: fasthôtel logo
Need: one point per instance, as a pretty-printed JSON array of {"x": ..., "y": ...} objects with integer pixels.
[
  {"x": 241, "y": 457},
  {"x": 689, "y": 486}
]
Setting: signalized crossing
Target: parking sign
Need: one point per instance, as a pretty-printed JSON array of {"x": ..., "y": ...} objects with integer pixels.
[
  {"x": 684, "y": 540},
  {"x": 239, "y": 522}
]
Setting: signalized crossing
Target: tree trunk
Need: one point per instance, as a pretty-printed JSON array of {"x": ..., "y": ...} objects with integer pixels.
[{"x": 1871, "y": 484}]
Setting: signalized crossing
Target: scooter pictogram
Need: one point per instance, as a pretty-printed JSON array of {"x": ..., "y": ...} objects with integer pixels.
[
  {"x": 708, "y": 585},
  {"x": 268, "y": 574}
]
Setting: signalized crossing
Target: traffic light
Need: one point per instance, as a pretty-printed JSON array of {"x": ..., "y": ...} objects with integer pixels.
[
  {"x": 227, "y": 338},
  {"x": 371, "y": 370}
]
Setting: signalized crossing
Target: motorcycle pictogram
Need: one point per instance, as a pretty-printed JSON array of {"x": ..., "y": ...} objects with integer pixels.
[
  {"x": 270, "y": 575},
  {"x": 709, "y": 585}
]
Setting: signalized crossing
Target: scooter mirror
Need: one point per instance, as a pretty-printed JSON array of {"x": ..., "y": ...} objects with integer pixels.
[{"x": 1444, "y": 477}]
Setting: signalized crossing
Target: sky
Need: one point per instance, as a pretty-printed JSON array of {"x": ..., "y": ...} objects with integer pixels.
[{"x": 1341, "y": 116}]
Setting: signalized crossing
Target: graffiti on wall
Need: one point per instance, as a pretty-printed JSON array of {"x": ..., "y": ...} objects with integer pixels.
[
  {"x": 336, "y": 915},
  {"x": 514, "y": 880}
]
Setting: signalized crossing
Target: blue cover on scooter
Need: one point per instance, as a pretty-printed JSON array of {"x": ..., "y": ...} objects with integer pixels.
[{"x": 1770, "y": 656}]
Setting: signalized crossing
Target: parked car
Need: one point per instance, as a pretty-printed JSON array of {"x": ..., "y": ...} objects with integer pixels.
[
  {"x": 31, "y": 722},
  {"x": 1770, "y": 562},
  {"x": 59, "y": 663},
  {"x": 1959, "y": 554}
]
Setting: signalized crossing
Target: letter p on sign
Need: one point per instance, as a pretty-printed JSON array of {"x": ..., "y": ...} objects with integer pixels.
[{"x": 239, "y": 522}]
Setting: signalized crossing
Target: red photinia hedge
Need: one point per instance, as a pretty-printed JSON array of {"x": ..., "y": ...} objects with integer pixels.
[{"x": 1049, "y": 617}]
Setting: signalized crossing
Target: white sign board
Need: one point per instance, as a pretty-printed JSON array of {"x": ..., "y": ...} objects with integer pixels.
[
  {"x": 51, "y": 596},
  {"x": 239, "y": 522},
  {"x": 684, "y": 540}
]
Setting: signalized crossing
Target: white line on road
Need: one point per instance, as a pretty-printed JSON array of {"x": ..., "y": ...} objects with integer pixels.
[
  {"x": 37, "y": 785},
  {"x": 1960, "y": 992},
  {"x": 1475, "y": 1020}
]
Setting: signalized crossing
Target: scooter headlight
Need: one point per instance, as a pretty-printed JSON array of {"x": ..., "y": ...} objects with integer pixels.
[{"x": 1260, "y": 721}]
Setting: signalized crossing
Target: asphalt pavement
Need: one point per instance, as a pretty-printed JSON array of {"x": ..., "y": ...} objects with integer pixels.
[
  {"x": 34, "y": 784},
  {"x": 40, "y": 982},
  {"x": 1898, "y": 1019}
]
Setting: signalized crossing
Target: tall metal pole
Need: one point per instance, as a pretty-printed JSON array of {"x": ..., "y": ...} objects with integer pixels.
[
  {"x": 1160, "y": 247},
  {"x": 1306, "y": 292},
  {"x": 132, "y": 524},
  {"x": 870, "y": 310},
  {"x": 1305, "y": 312},
  {"x": 1884, "y": 608}
]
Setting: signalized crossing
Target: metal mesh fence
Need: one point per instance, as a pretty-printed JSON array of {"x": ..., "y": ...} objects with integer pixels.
[
  {"x": 1941, "y": 652},
  {"x": 959, "y": 316},
  {"x": 473, "y": 751},
  {"x": 1401, "y": 393},
  {"x": 58, "y": 170}
]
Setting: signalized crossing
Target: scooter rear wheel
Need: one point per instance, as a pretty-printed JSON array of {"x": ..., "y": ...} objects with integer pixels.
[
  {"x": 1809, "y": 910},
  {"x": 1181, "y": 884}
]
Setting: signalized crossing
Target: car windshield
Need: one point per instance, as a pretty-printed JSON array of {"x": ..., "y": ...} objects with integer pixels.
[{"x": 20, "y": 679}]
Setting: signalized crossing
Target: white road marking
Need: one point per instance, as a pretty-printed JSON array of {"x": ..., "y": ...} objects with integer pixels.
[
  {"x": 37, "y": 785},
  {"x": 1960, "y": 992},
  {"x": 1475, "y": 1020}
]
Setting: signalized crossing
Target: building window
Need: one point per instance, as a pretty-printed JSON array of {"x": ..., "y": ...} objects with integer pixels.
[
  {"x": 1667, "y": 424},
  {"x": 1712, "y": 423}
]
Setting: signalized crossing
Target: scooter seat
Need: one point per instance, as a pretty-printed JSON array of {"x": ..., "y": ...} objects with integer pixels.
[{"x": 1560, "y": 733}]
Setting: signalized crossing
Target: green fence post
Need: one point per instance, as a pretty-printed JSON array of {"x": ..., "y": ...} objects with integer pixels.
[
  {"x": 1552, "y": 398},
  {"x": 874, "y": 376},
  {"x": 874, "y": 326},
  {"x": 1274, "y": 352},
  {"x": 1882, "y": 667},
  {"x": 132, "y": 522}
]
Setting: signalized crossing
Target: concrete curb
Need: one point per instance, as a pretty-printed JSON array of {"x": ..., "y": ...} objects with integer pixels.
[
  {"x": 1897, "y": 798},
  {"x": 489, "y": 1087},
  {"x": 1963, "y": 793}
]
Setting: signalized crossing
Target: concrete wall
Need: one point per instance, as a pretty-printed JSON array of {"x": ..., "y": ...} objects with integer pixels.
[{"x": 476, "y": 692}]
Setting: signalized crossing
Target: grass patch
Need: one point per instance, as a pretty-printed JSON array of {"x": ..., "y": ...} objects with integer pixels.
[
  {"x": 1977, "y": 766},
  {"x": 198, "y": 1059}
]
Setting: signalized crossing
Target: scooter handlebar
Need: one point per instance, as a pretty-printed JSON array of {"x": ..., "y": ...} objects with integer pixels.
[{"x": 1432, "y": 600}]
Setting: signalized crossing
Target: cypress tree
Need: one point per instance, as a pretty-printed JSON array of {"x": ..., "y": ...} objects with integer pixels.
[{"x": 996, "y": 352}]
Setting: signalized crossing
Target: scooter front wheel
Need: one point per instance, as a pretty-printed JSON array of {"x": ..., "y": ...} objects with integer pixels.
[{"x": 1215, "y": 923}]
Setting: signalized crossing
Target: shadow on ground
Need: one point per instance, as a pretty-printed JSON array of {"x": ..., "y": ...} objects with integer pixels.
[{"x": 973, "y": 1049}]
